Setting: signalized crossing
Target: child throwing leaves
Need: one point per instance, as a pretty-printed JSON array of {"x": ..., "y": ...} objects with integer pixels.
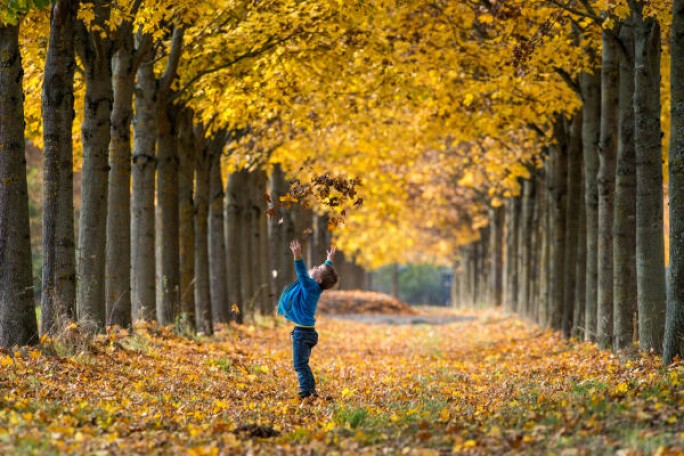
[{"x": 298, "y": 303}]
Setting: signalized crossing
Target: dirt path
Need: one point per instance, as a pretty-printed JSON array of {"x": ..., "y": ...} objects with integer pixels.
[{"x": 404, "y": 319}]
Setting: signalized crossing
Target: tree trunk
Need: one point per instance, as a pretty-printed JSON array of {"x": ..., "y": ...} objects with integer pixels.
[
  {"x": 235, "y": 243},
  {"x": 220, "y": 308},
  {"x": 321, "y": 237},
  {"x": 474, "y": 276},
  {"x": 525, "y": 245},
  {"x": 395, "y": 280},
  {"x": 95, "y": 133},
  {"x": 511, "y": 264},
  {"x": 624, "y": 231},
  {"x": 649, "y": 171},
  {"x": 118, "y": 253},
  {"x": 262, "y": 253},
  {"x": 202, "y": 280},
  {"x": 591, "y": 119},
  {"x": 674, "y": 324},
  {"x": 143, "y": 282},
  {"x": 581, "y": 265},
  {"x": 573, "y": 183},
  {"x": 497, "y": 220},
  {"x": 606, "y": 188},
  {"x": 282, "y": 231},
  {"x": 59, "y": 269},
  {"x": 544, "y": 250},
  {"x": 483, "y": 268},
  {"x": 186, "y": 214},
  {"x": 535, "y": 257},
  {"x": 247, "y": 243},
  {"x": 18, "y": 324},
  {"x": 168, "y": 284},
  {"x": 558, "y": 194}
]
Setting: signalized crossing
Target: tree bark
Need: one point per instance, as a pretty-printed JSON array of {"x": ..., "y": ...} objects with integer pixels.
[
  {"x": 483, "y": 268},
  {"x": 220, "y": 309},
  {"x": 186, "y": 214},
  {"x": 511, "y": 263},
  {"x": 143, "y": 282},
  {"x": 321, "y": 237},
  {"x": 247, "y": 259},
  {"x": 264, "y": 257},
  {"x": 18, "y": 325},
  {"x": 591, "y": 120},
  {"x": 168, "y": 255},
  {"x": 578, "y": 323},
  {"x": 525, "y": 245},
  {"x": 538, "y": 218},
  {"x": 59, "y": 268},
  {"x": 674, "y": 324},
  {"x": 395, "y": 280},
  {"x": 497, "y": 220},
  {"x": 281, "y": 232},
  {"x": 118, "y": 252},
  {"x": 202, "y": 275},
  {"x": 606, "y": 188},
  {"x": 544, "y": 250},
  {"x": 573, "y": 183},
  {"x": 235, "y": 243},
  {"x": 95, "y": 52},
  {"x": 624, "y": 231},
  {"x": 647, "y": 137},
  {"x": 558, "y": 196}
]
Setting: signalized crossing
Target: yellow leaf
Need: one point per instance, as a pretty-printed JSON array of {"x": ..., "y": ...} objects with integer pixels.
[{"x": 444, "y": 415}]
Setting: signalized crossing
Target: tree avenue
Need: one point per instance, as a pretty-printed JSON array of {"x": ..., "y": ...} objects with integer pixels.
[{"x": 524, "y": 144}]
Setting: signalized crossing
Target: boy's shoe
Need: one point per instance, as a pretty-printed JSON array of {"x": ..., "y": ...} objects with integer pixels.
[{"x": 306, "y": 394}]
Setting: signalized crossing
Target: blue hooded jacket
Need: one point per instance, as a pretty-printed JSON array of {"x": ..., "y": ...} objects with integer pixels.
[{"x": 299, "y": 300}]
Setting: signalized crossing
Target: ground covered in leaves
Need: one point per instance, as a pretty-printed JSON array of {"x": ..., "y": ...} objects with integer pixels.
[{"x": 491, "y": 385}]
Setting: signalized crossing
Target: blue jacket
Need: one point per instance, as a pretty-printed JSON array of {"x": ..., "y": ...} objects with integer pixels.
[{"x": 299, "y": 300}]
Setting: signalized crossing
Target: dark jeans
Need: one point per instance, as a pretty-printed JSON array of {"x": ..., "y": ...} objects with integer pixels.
[{"x": 303, "y": 340}]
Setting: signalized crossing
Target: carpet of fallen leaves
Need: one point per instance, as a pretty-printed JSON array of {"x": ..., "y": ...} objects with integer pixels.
[
  {"x": 492, "y": 385},
  {"x": 337, "y": 302}
]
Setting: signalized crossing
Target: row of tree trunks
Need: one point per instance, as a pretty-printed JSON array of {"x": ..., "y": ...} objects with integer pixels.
[{"x": 598, "y": 258}]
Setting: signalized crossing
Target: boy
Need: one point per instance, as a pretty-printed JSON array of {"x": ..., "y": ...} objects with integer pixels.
[{"x": 298, "y": 303}]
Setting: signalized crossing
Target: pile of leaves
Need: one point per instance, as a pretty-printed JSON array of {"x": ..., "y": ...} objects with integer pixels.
[
  {"x": 362, "y": 302},
  {"x": 488, "y": 386}
]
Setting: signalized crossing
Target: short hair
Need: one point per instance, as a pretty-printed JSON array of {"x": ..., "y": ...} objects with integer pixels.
[{"x": 329, "y": 277}]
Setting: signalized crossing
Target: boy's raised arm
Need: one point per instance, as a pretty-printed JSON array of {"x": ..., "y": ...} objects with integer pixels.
[
  {"x": 300, "y": 267},
  {"x": 331, "y": 255}
]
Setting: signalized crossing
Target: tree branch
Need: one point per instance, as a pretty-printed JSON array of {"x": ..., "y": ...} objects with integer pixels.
[
  {"x": 174, "y": 59},
  {"x": 269, "y": 45},
  {"x": 574, "y": 85}
]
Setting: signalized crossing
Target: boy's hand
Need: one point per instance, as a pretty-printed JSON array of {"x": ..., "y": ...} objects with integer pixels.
[
  {"x": 296, "y": 248},
  {"x": 331, "y": 253}
]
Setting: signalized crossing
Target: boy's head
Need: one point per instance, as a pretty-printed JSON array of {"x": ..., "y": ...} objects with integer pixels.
[{"x": 325, "y": 275}]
